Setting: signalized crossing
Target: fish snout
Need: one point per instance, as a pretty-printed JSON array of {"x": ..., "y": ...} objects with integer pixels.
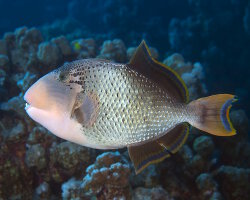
[
  {"x": 35, "y": 96},
  {"x": 50, "y": 94}
]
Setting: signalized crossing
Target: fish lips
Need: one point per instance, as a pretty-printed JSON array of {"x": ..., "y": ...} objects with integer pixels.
[
  {"x": 27, "y": 102},
  {"x": 27, "y": 106}
]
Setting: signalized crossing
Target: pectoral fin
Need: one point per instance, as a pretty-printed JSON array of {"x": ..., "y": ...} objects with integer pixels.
[
  {"x": 86, "y": 109},
  {"x": 157, "y": 150}
]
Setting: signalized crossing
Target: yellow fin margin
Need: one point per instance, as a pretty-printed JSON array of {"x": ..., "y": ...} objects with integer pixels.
[
  {"x": 156, "y": 151},
  {"x": 170, "y": 69}
]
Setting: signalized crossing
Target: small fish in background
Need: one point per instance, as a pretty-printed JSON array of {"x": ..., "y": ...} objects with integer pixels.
[{"x": 142, "y": 105}]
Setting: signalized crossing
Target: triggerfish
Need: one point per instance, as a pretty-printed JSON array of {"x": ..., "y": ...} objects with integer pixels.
[{"x": 142, "y": 105}]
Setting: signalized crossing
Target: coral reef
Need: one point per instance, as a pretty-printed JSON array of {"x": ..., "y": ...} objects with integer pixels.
[
  {"x": 22, "y": 46},
  {"x": 49, "y": 54},
  {"x": 42, "y": 192},
  {"x": 192, "y": 74},
  {"x": 71, "y": 189},
  {"x": 204, "y": 146},
  {"x": 35, "y": 157},
  {"x": 68, "y": 159},
  {"x": 235, "y": 180},
  {"x": 85, "y": 48},
  {"x": 156, "y": 193},
  {"x": 113, "y": 50},
  {"x": 63, "y": 44},
  {"x": 107, "y": 178},
  {"x": 36, "y": 164},
  {"x": 15, "y": 176},
  {"x": 208, "y": 187}
]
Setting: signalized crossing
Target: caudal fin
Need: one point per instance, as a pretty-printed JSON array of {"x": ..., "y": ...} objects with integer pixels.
[{"x": 211, "y": 114}]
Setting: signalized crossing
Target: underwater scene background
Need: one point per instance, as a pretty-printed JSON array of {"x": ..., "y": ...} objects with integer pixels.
[{"x": 206, "y": 41}]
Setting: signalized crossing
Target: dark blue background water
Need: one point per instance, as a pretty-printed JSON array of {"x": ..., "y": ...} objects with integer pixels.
[{"x": 216, "y": 33}]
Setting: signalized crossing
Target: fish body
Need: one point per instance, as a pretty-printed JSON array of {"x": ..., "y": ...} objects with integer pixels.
[
  {"x": 141, "y": 105},
  {"x": 130, "y": 107}
]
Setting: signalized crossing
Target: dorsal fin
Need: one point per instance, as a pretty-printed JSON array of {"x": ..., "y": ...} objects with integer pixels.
[
  {"x": 144, "y": 63},
  {"x": 159, "y": 149}
]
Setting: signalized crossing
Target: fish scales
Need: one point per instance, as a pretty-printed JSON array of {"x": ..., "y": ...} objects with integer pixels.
[{"x": 133, "y": 108}]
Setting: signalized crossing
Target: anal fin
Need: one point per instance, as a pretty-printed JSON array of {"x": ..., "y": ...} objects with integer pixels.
[
  {"x": 175, "y": 138},
  {"x": 157, "y": 150}
]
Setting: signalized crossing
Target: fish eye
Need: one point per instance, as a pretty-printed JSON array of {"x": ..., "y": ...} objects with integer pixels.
[{"x": 63, "y": 76}]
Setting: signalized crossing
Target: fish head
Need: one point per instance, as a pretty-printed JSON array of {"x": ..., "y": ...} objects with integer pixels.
[{"x": 50, "y": 101}]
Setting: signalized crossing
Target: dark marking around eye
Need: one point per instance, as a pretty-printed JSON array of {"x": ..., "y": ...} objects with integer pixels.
[{"x": 63, "y": 76}]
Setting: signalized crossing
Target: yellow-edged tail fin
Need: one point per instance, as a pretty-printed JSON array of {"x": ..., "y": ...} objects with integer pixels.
[{"x": 211, "y": 114}]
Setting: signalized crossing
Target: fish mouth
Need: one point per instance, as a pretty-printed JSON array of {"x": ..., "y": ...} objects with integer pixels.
[
  {"x": 27, "y": 106},
  {"x": 27, "y": 103}
]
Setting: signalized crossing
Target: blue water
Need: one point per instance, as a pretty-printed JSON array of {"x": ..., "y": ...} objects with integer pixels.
[{"x": 214, "y": 33}]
